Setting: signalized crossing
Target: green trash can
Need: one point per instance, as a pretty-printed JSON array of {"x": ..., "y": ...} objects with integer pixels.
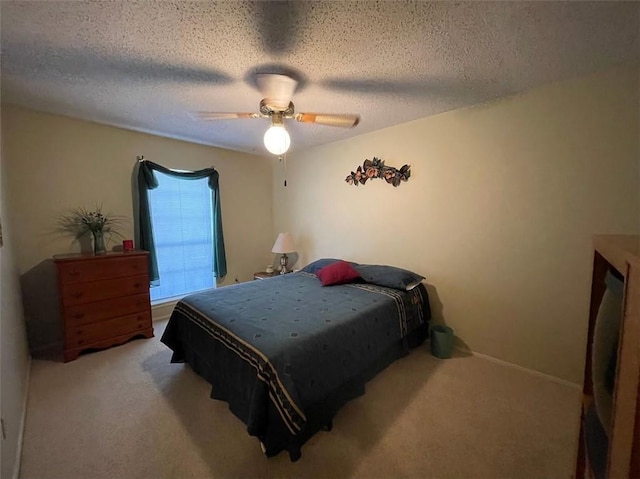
[{"x": 441, "y": 341}]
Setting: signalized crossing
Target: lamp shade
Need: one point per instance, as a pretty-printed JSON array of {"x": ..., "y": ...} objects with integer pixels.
[
  {"x": 277, "y": 140},
  {"x": 284, "y": 244}
]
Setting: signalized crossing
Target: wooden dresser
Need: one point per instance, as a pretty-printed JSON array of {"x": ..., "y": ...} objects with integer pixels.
[
  {"x": 104, "y": 300},
  {"x": 621, "y": 252}
]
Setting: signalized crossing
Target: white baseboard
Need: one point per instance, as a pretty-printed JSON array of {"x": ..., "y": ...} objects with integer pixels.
[
  {"x": 533, "y": 372},
  {"x": 23, "y": 419}
]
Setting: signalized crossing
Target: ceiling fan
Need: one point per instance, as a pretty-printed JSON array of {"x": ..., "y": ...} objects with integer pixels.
[{"x": 276, "y": 105}]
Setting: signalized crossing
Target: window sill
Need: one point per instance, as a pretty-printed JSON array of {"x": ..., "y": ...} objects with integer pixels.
[
  {"x": 165, "y": 301},
  {"x": 175, "y": 299}
]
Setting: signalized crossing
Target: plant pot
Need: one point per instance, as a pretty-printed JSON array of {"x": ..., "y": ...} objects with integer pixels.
[{"x": 98, "y": 243}]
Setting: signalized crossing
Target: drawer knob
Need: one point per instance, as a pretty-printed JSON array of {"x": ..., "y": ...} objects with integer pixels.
[
  {"x": 79, "y": 331},
  {"x": 78, "y": 315},
  {"x": 73, "y": 274},
  {"x": 78, "y": 295}
]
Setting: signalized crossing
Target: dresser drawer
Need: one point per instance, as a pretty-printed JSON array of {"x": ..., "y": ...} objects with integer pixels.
[
  {"x": 104, "y": 299},
  {"x": 82, "y": 293},
  {"x": 91, "y": 333},
  {"x": 102, "y": 268},
  {"x": 88, "y": 313}
]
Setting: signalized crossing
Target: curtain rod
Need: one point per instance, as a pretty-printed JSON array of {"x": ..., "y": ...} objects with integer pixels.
[{"x": 140, "y": 159}]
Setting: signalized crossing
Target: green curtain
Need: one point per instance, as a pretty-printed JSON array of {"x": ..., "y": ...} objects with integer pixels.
[{"x": 147, "y": 181}]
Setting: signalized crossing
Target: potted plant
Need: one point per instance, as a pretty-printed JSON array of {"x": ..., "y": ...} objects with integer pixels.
[{"x": 81, "y": 221}]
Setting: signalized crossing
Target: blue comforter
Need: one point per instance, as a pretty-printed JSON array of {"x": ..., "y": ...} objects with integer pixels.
[{"x": 307, "y": 346}]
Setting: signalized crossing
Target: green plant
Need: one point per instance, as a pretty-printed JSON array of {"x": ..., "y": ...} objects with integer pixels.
[{"x": 81, "y": 221}]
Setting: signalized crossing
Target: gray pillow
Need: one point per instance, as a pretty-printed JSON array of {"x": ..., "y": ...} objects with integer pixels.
[
  {"x": 318, "y": 264},
  {"x": 389, "y": 276}
]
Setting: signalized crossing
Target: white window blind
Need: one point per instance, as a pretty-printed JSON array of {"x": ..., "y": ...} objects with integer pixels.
[{"x": 183, "y": 233}]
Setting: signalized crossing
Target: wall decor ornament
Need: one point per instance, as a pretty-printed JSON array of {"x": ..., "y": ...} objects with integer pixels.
[{"x": 372, "y": 169}]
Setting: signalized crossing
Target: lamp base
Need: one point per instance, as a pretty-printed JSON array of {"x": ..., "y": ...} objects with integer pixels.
[{"x": 283, "y": 264}]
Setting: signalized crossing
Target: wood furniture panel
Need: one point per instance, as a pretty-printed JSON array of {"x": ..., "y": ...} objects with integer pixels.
[
  {"x": 621, "y": 252},
  {"x": 104, "y": 300},
  {"x": 100, "y": 310},
  {"x": 116, "y": 267},
  {"x": 91, "y": 333},
  {"x": 91, "y": 291},
  {"x": 265, "y": 275}
]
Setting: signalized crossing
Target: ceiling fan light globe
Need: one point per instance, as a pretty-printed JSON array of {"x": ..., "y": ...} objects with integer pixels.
[{"x": 277, "y": 140}]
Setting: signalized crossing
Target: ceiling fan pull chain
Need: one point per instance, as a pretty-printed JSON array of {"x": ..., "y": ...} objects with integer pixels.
[{"x": 283, "y": 158}]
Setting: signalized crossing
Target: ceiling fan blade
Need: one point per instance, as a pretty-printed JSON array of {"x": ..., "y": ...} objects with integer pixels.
[
  {"x": 212, "y": 115},
  {"x": 344, "y": 121},
  {"x": 277, "y": 89},
  {"x": 450, "y": 88},
  {"x": 76, "y": 64},
  {"x": 281, "y": 24}
]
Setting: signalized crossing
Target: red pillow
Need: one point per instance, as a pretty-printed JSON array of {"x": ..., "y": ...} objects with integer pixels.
[{"x": 339, "y": 272}]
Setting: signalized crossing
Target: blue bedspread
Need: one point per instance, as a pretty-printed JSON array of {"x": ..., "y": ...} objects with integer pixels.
[{"x": 304, "y": 342}]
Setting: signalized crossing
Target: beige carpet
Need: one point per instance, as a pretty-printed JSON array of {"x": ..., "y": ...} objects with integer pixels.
[{"x": 128, "y": 413}]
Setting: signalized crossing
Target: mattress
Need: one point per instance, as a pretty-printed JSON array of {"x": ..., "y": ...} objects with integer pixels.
[{"x": 286, "y": 353}]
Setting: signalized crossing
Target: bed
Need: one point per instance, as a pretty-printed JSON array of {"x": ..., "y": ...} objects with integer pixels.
[{"x": 287, "y": 352}]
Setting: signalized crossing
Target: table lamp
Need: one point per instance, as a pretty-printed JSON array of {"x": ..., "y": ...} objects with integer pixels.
[{"x": 283, "y": 245}]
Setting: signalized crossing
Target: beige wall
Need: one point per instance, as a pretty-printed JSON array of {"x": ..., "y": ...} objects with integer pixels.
[
  {"x": 14, "y": 355},
  {"x": 56, "y": 163},
  {"x": 498, "y": 213}
]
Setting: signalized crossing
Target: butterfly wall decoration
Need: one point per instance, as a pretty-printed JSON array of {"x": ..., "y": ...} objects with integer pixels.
[{"x": 372, "y": 169}]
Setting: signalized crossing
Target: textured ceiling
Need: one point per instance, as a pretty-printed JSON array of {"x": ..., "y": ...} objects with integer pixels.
[{"x": 146, "y": 65}]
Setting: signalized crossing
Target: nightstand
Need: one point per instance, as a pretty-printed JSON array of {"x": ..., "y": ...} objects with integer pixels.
[{"x": 265, "y": 275}]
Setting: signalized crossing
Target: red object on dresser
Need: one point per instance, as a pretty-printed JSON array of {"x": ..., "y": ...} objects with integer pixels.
[{"x": 104, "y": 300}]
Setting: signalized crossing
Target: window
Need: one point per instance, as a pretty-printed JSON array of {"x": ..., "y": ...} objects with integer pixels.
[{"x": 181, "y": 220}]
